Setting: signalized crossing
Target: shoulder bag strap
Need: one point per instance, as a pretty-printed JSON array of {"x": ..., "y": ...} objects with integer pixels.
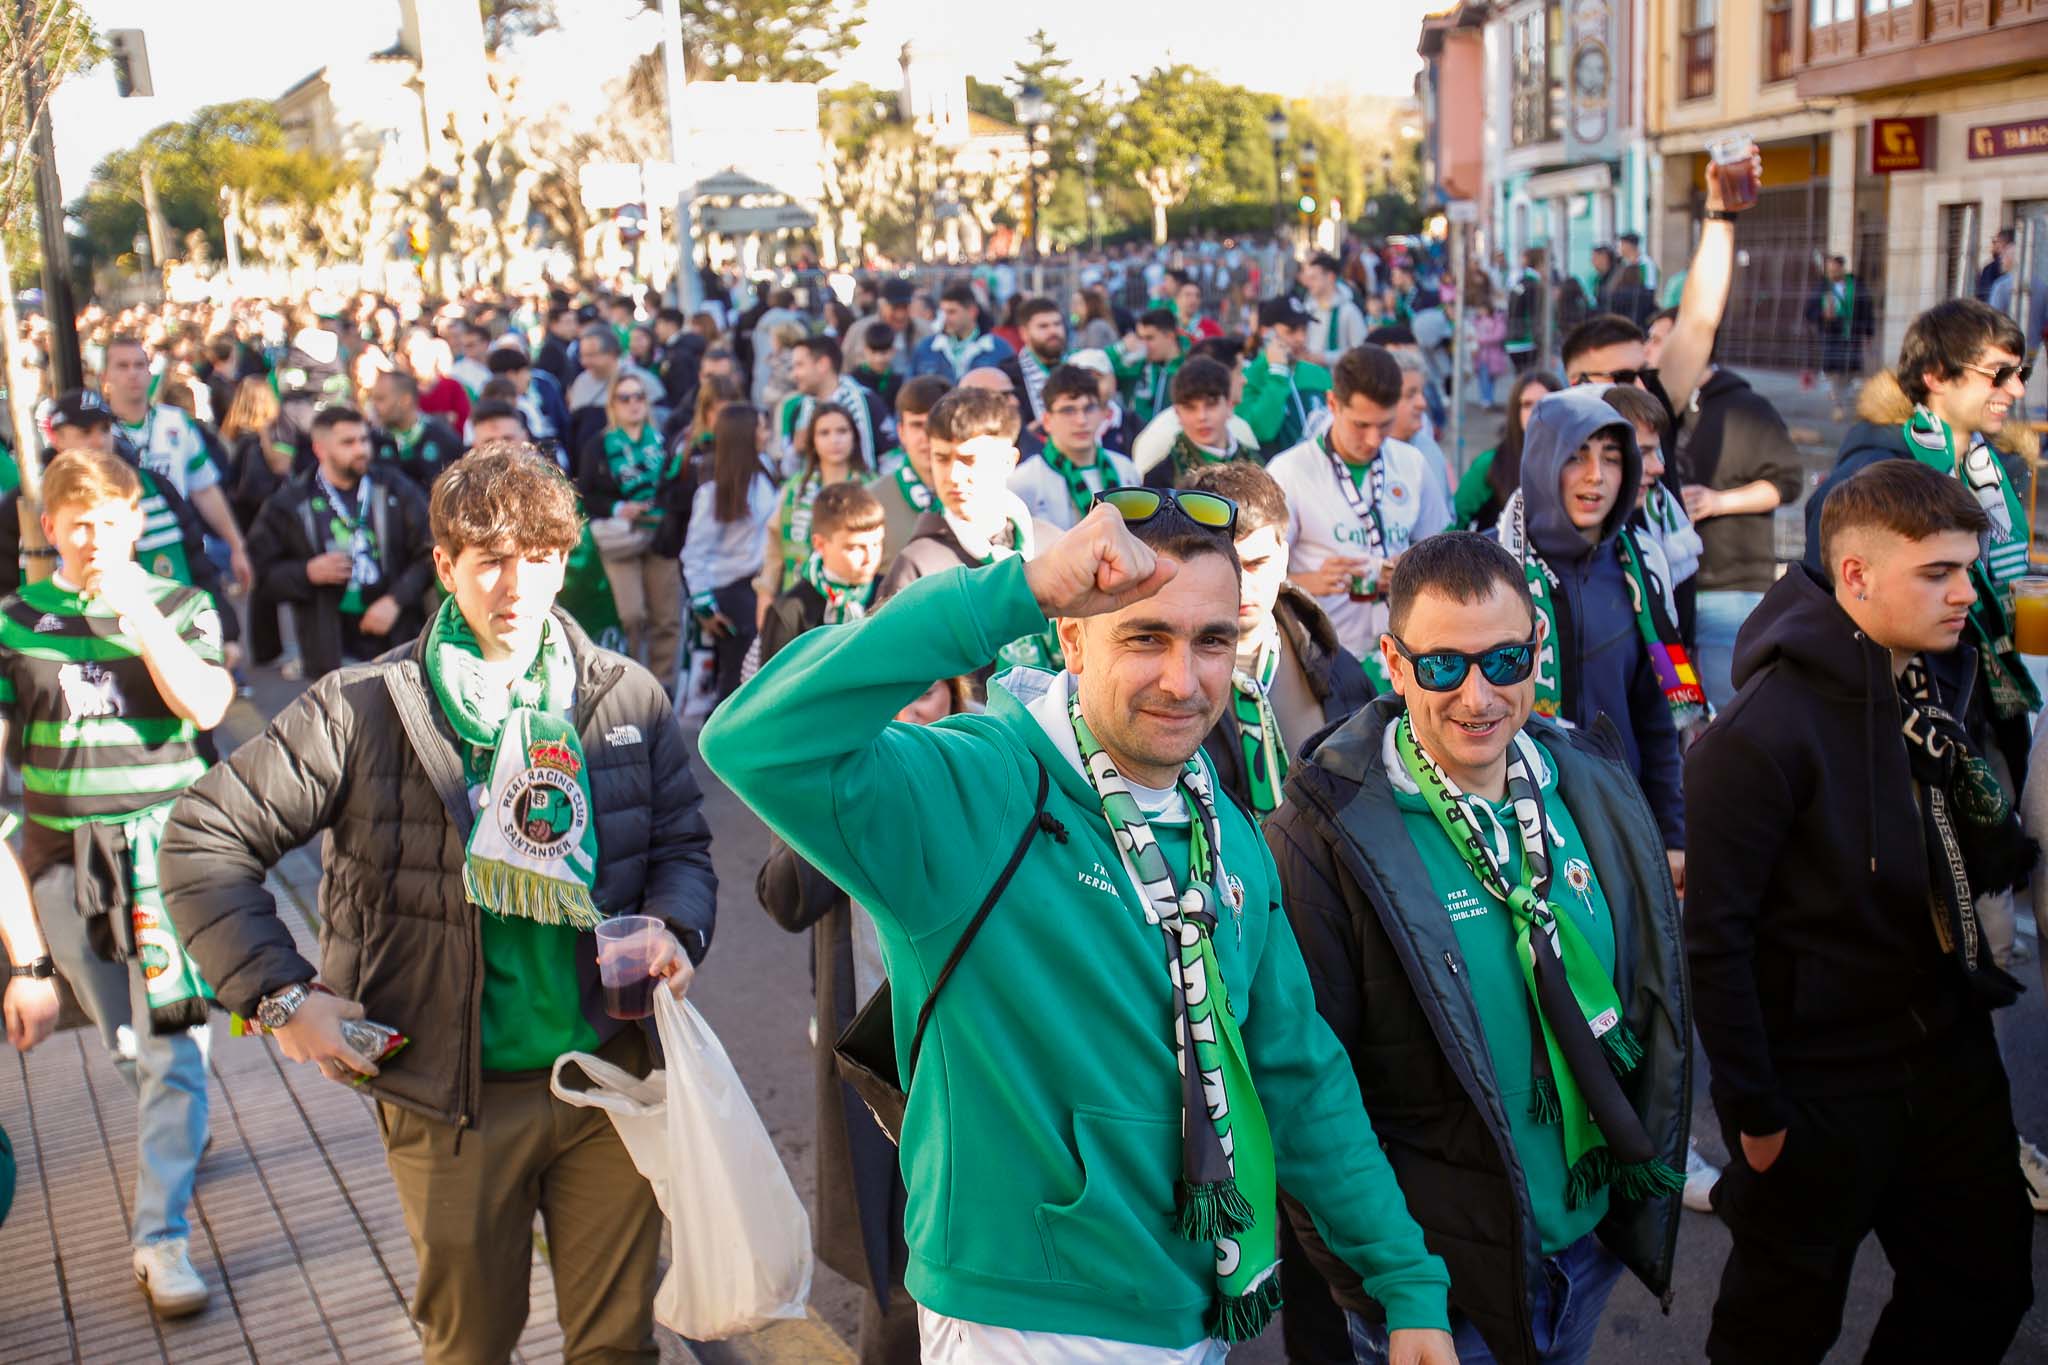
[
  {"x": 436, "y": 752},
  {"x": 1039, "y": 821}
]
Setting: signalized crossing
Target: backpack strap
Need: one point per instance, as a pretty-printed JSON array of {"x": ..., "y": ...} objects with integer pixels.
[{"x": 1040, "y": 821}]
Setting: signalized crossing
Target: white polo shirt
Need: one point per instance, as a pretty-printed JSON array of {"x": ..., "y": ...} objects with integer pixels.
[{"x": 1320, "y": 523}]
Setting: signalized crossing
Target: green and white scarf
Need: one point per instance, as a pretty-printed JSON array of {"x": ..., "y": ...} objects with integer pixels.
[
  {"x": 1227, "y": 1189},
  {"x": 352, "y": 534},
  {"x": 1258, "y": 729},
  {"x": 1991, "y": 617},
  {"x": 915, "y": 491},
  {"x": 178, "y": 995},
  {"x": 635, "y": 466},
  {"x": 1079, "y": 491},
  {"x": 1188, "y": 457},
  {"x": 533, "y": 851},
  {"x": 1586, "y": 1043},
  {"x": 843, "y": 601}
]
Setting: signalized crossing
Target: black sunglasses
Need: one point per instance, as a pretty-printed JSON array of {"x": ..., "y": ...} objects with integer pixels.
[
  {"x": 2004, "y": 374},
  {"x": 1445, "y": 670},
  {"x": 1140, "y": 505},
  {"x": 1627, "y": 377}
]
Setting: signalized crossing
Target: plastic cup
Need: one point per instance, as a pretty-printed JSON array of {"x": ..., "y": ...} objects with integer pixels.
[
  {"x": 2030, "y": 611},
  {"x": 625, "y": 955},
  {"x": 1738, "y": 175}
]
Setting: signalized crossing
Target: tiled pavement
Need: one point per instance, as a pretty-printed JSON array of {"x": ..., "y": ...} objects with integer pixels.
[{"x": 296, "y": 1224}]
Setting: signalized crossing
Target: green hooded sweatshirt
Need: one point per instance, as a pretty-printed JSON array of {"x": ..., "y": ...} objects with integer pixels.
[{"x": 1042, "y": 1141}]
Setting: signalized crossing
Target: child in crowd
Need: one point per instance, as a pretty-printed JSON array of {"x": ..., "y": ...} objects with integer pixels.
[{"x": 837, "y": 582}]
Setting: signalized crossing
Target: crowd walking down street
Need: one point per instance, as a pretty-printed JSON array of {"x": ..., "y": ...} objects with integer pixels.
[{"x": 1242, "y": 873}]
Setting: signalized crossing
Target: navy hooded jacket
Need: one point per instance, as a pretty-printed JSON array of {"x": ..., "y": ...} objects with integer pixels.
[{"x": 1605, "y": 661}]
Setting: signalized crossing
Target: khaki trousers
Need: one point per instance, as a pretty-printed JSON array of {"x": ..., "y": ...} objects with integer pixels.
[
  {"x": 469, "y": 1198},
  {"x": 648, "y": 591}
]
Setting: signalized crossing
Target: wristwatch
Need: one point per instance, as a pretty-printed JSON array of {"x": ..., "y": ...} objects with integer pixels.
[
  {"x": 42, "y": 969},
  {"x": 1722, "y": 215},
  {"x": 275, "y": 1011}
]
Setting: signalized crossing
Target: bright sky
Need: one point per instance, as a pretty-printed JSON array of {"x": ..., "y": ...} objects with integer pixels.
[{"x": 207, "y": 51}]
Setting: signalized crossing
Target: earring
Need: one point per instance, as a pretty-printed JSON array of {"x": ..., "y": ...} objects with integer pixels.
[{"x": 1862, "y": 597}]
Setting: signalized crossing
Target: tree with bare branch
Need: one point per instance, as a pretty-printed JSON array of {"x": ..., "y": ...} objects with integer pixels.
[{"x": 41, "y": 42}]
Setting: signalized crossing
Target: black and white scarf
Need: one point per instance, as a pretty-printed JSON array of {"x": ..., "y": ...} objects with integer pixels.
[{"x": 1974, "y": 842}]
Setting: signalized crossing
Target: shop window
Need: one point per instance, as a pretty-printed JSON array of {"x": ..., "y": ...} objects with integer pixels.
[
  {"x": 1777, "y": 40},
  {"x": 1697, "y": 46}
]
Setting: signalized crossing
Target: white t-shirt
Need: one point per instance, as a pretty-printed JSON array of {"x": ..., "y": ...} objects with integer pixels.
[
  {"x": 1043, "y": 489},
  {"x": 949, "y": 1341},
  {"x": 1320, "y": 523}
]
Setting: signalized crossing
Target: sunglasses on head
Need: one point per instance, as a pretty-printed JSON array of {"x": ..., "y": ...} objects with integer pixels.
[
  {"x": 2004, "y": 374},
  {"x": 1445, "y": 670},
  {"x": 1140, "y": 505},
  {"x": 631, "y": 396}
]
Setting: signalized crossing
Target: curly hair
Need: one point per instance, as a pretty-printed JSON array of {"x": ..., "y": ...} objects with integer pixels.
[{"x": 504, "y": 491}]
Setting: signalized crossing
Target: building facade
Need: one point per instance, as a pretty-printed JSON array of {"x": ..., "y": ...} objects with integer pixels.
[{"x": 1900, "y": 134}]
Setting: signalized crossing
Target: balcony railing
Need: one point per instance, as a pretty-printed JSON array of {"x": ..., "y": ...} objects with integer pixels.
[
  {"x": 1876, "y": 46},
  {"x": 1699, "y": 64}
]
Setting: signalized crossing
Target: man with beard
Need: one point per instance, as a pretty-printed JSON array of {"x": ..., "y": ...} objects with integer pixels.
[{"x": 1044, "y": 330}]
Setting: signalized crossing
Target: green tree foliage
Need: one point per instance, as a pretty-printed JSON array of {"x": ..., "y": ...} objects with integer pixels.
[
  {"x": 767, "y": 40},
  {"x": 507, "y": 20},
  {"x": 239, "y": 145}
]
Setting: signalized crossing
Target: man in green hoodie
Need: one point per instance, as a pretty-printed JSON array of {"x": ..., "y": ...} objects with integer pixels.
[{"x": 1079, "y": 1188}]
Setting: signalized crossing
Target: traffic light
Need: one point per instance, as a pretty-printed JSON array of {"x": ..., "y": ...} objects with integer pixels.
[
  {"x": 1305, "y": 171},
  {"x": 1307, "y": 204}
]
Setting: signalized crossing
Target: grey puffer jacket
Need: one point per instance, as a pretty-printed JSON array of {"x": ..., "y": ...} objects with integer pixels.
[{"x": 366, "y": 757}]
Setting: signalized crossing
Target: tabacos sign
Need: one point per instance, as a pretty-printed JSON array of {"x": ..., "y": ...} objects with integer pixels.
[
  {"x": 1901, "y": 144},
  {"x": 2028, "y": 137}
]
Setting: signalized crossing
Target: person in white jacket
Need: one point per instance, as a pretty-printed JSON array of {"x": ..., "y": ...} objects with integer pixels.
[
  {"x": 723, "y": 547},
  {"x": 1058, "y": 485},
  {"x": 1356, "y": 500}
]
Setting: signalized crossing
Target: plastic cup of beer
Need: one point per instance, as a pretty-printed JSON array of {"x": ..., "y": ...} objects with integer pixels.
[
  {"x": 2030, "y": 609},
  {"x": 625, "y": 956},
  {"x": 1738, "y": 175}
]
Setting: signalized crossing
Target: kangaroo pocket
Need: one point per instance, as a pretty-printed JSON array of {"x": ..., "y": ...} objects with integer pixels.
[{"x": 1118, "y": 1237}]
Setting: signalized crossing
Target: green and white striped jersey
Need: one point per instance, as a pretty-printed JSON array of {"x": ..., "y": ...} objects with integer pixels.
[{"x": 98, "y": 741}]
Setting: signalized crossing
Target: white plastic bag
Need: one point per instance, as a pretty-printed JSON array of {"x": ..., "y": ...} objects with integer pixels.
[{"x": 739, "y": 1238}]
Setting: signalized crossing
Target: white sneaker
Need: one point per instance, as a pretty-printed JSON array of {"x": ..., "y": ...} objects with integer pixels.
[
  {"x": 165, "y": 1272},
  {"x": 2034, "y": 1166},
  {"x": 1700, "y": 1177}
]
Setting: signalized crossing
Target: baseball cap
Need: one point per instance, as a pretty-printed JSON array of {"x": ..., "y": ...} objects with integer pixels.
[
  {"x": 898, "y": 292},
  {"x": 1094, "y": 358},
  {"x": 75, "y": 408},
  {"x": 1285, "y": 311}
]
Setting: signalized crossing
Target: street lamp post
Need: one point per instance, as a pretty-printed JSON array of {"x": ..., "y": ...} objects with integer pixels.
[
  {"x": 1031, "y": 109},
  {"x": 1276, "y": 129},
  {"x": 1085, "y": 151}
]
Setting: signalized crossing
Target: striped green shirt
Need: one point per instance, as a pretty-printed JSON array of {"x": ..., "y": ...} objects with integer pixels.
[{"x": 98, "y": 741}]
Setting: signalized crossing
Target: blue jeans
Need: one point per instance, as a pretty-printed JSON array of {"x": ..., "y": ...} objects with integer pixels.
[
  {"x": 168, "y": 1074},
  {"x": 1719, "y": 615},
  {"x": 1566, "y": 1303}
]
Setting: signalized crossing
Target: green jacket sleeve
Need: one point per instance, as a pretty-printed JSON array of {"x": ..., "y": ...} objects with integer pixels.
[
  {"x": 1264, "y": 405},
  {"x": 1473, "y": 491},
  {"x": 810, "y": 745},
  {"x": 1324, "y": 1143}
]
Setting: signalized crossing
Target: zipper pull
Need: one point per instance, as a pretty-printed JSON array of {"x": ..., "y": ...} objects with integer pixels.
[{"x": 1450, "y": 962}]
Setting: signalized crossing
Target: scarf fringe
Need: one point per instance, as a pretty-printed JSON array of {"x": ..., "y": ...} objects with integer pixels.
[
  {"x": 1598, "y": 1169},
  {"x": 178, "y": 1015},
  {"x": 507, "y": 890},
  {"x": 1624, "y": 1049},
  {"x": 1213, "y": 1209},
  {"x": 1244, "y": 1316},
  {"x": 1544, "y": 1105}
]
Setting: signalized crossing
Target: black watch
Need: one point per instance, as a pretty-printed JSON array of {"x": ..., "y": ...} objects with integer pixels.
[
  {"x": 1722, "y": 215},
  {"x": 42, "y": 969}
]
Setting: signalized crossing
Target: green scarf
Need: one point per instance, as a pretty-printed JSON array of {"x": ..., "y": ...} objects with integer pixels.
[
  {"x": 1227, "y": 1189},
  {"x": 533, "y": 852},
  {"x": 350, "y": 533},
  {"x": 843, "y": 601},
  {"x": 178, "y": 994},
  {"x": 1586, "y": 1041},
  {"x": 635, "y": 466},
  {"x": 587, "y": 595},
  {"x": 1991, "y": 617},
  {"x": 1258, "y": 730},
  {"x": 914, "y": 490},
  {"x": 1078, "y": 490},
  {"x": 1187, "y": 457}
]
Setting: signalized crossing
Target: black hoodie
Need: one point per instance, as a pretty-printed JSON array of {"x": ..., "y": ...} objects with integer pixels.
[{"x": 1807, "y": 912}]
